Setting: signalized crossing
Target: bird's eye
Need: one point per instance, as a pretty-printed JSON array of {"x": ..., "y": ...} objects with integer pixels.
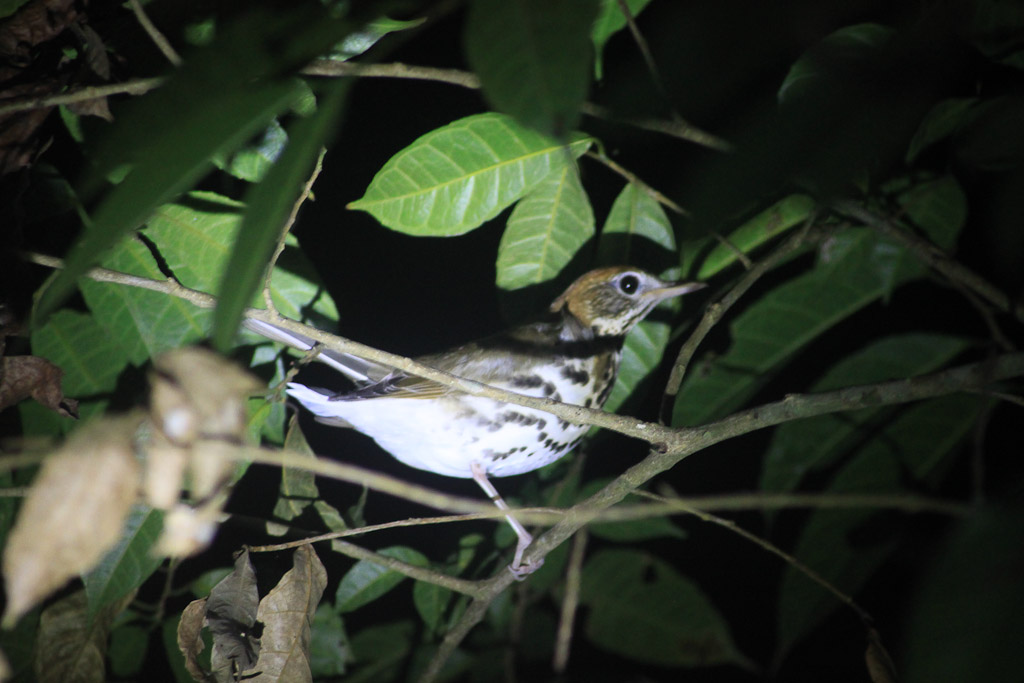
[{"x": 629, "y": 284}]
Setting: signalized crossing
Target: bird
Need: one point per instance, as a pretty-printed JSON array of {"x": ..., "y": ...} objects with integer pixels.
[{"x": 571, "y": 354}]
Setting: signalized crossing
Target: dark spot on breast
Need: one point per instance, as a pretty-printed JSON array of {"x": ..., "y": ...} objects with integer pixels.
[
  {"x": 575, "y": 375},
  {"x": 549, "y": 444},
  {"x": 563, "y": 424},
  {"x": 589, "y": 402},
  {"x": 518, "y": 418},
  {"x": 542, "y": 436},
  {"x": 527, "y": 381},
  {"x": 541, "y": 423},
  {"x": 549, "y": 389}
]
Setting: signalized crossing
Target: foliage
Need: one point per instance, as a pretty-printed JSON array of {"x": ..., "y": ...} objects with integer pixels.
[{"x": 864, "y": 160}]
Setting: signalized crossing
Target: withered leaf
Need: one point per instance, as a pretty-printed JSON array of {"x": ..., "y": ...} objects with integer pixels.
[
  {"x": 35, "y": 22},
  {"x": 190, "y": 641},
  {"x": 24, "y": 376},
  {"x": 73, "y": 514},
  {"x": 71, "y": 647},
  {"x": 287, "y": 614},
  {"x": 231, "y": 617},
  {"x": 880, "y": 665}
]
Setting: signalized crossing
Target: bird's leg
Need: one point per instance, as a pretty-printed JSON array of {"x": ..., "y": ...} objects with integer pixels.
[{"x": 518, "y": 568}]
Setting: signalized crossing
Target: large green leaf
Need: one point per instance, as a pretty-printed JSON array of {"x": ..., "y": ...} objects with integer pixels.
[
  {"x": 643, "y": 609},
  {"x": 943, "y": 119},
  {"x": 366, "y": 580},
  {"x": 804, "y": 445},
  {"x": 224, "y": 94},
  {"x": 545, "y": 231},
  {"x": 847, "y": 546},
  {"x": 855, "y": 267},
  {"x": 610, "y": 20},
  {"x": 533, "y": 58},
  {"x": 195, "y": 237},
  {"x": 268, "y": 205},
  {"x": 142, "y": 321},
  {"x": 91, "y": 360},
  {"x": 785, "y": 214},
  {"x": 964, "y": 623},
  {"x": 452, "y": 179},
  {"x": 129, "y": 563},
  {"x": 637, "y": 232},
  {"x": 849, "y": 44}
]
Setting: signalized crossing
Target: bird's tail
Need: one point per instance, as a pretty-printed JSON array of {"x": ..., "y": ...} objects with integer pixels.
[{"x": 357, "y": 369}]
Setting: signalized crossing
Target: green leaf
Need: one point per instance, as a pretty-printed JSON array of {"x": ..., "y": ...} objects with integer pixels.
[
  {"x": 366, "y": 580},
  {"x": 380, "y": 650},
  {"x": 128, "y": 647},
  {"x": 129, "y": 563},
  {"x": 848, "y": 44},
  {"x": 787, "y": 213},
  {"x": 610, "y": 20},
  {"x": 855, "y": 267},
  {"x": 268, "y": 206},
  {"x": 358, "y": 42},
  {"x": 431, "y": 601},
  {"x": 847, "y": 546},
  {"x": 252, "y": 162},
  {"x": 943, "y": 119},
  {"x": 545, "y": 231},
  {"x": 9, "y": 7},
  {"x": 638, "y": 231},
  {"x": 995, "y": 29},
  {"x": 174, "y": 161},
  {"x": 963, "y": 623},
  {"x": 222, "y": 95},
  {"x": 533, "y": 58},
  {"x": 455, "y": 178},
  {"x": 91, "y": 361},
  {"x": 145, "y": 323},
  {"x": 329, "y": 649},
  {"x": 805, "y": 445},
  {"x": 195, "y": 237},
  {"x": 298, "y": 488},
  {"x": 990, "y": 138},
  {"x": 642, "y": 609}
]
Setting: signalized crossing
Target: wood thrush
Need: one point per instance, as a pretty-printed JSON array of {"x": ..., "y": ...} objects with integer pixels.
[{"x": 571, "y": 356}]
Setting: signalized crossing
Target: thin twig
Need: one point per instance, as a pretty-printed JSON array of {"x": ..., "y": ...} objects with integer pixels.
[
  {"x": 92, "y": 92},
  {"x": 307, "y": 189},
  {"x": 677, "y": 129},
  {"x": 717, "y": 310},
  {"x": 934, "y": 257},
  {"x": 154, "y": 34},
  {"x": 645, "y": 52},
  {"x": 769, "y": 547},
  {"x": 570, "y": 603},
  {"x": 635, "y": 179}
]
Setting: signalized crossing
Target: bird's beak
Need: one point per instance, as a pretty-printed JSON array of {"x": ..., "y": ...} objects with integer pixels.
[{"x": 673, "y": 290}]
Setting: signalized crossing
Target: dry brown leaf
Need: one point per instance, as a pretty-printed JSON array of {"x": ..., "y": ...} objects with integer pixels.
[
  {"x": 71, "y": 646},
  {"x": 165, "y": 473},
  {"x": 73, "y": 514},
  {"x": 880, "y": 666},
  {"x": 24, "y": 376},
  {"x": 34, "y": 23},
  {"x": 187, "y": 530},
  {"x": 287, "y": 614},
  {"x": 190, "y": 641},
  {"x": 199, "y": 400},
  {"x": 231, "y": 618}
]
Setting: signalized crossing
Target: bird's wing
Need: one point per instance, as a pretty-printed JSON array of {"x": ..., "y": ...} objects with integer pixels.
[{"x": 355, "y": 368}]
